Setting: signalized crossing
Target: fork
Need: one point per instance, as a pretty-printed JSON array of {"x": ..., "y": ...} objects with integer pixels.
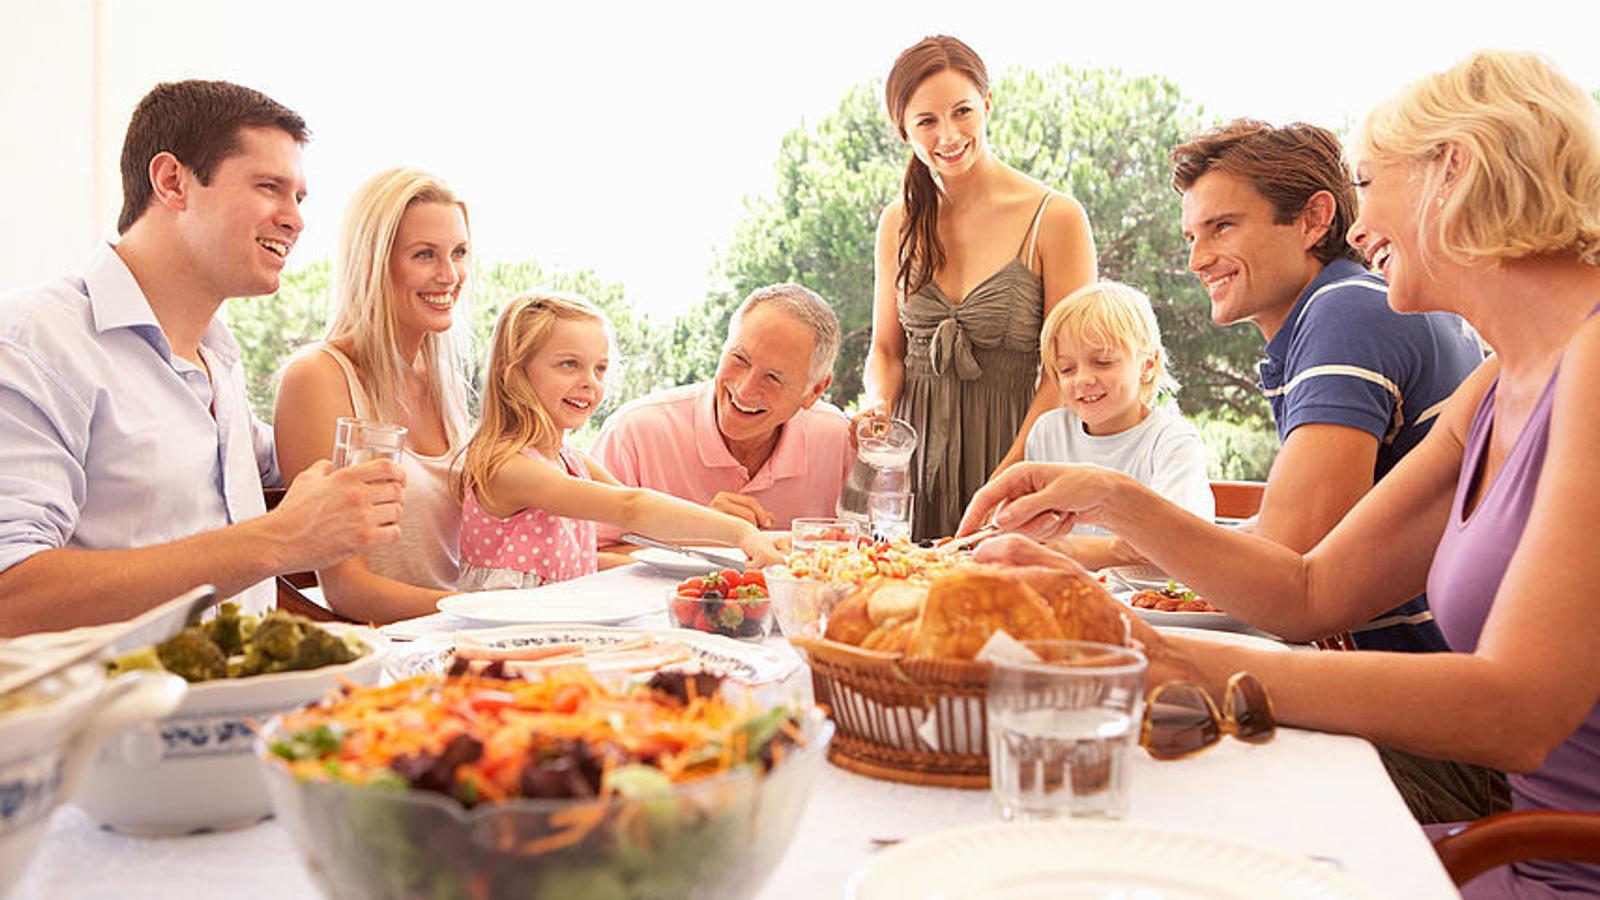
[{"x": 956, "y": 545}]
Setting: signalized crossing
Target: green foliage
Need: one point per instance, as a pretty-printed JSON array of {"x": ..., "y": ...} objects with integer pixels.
[
  {"x": 1242, "y": 447},
  {"x": 268, "y": 329},
  {"x": 1098, "y": 135}
]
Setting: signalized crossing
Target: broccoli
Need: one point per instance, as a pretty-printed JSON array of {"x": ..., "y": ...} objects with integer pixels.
[
  {"x": 192, "y": 655},
  {"x": 318, "y": 648},
  {"x": 226, "y": 630},
  {"x": 272, "y": 646}
]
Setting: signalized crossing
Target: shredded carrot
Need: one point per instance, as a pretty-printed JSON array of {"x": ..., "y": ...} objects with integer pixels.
[{"x": 514, "y": 722}]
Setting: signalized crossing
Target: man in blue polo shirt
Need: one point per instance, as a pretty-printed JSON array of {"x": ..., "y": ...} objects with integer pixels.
[{"x": 1353, "y": 384}]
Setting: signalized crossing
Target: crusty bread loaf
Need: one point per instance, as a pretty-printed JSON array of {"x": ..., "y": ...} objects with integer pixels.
[
  {"x": 848, "y": 623},
  {"x": 1083, "y": 608},
  {"x": 964, "y": 608}
]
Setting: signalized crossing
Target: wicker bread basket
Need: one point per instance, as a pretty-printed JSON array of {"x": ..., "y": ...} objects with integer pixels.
[{"x": 920, "y": 721}]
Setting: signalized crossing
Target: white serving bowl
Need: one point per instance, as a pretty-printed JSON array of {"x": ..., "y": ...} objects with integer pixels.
[
  {"x": 194, "y": 770},
  {"x": 47, "y": 745}
]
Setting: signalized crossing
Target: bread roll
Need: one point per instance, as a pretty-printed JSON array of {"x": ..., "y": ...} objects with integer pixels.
[
  {"x": 1082, "y": 606},
  {"x": 964, "y": 608},
  {"x": 894, "y": 601},
  {"x": 848, "y": 624}
]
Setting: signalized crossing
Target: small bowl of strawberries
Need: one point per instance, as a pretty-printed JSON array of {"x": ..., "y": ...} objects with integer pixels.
[{"x": 726, "y": 602}]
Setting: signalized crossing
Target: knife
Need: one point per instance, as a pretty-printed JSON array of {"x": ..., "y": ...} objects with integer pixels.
[{"x": 725, "y": 562}]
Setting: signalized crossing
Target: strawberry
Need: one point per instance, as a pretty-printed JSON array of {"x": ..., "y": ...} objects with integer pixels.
[
  {"x": 755, "y": 577},
  {"x": 756, "y": 609},
  {"x": 730, "y": 616},
  {"x": 701, "y": 623},
  {"x": 749, "y": 592},
  {"x": 684, "y": 609}
]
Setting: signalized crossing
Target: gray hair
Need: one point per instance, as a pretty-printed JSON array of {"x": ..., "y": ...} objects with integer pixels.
[{"x": 809, "y": 308}]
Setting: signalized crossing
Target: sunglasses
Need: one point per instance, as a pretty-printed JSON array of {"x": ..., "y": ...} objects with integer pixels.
[{"x": 1181, "y": 719}]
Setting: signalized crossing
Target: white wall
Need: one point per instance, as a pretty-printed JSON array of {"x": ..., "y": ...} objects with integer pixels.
[{"x": 70, "y": 74}]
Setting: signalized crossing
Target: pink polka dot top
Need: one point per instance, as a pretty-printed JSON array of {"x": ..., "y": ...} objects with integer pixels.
[{"x": 529, "y": 548}]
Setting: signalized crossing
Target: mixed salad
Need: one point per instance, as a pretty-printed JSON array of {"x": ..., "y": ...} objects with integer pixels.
[{"x": 648, "y": 790}]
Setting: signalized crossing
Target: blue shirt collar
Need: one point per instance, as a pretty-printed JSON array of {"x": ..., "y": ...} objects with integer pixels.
[
  {"x": 117, "y": 301},
  {"x": 1338, "y": 270}
]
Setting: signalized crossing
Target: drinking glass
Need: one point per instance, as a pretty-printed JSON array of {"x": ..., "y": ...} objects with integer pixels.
[
  {"x": 356, "y": 441},
  {"x": 1061, "y": 730},
  {"x": 889, "y": 513},
  {"x": 809, "y": 534}
]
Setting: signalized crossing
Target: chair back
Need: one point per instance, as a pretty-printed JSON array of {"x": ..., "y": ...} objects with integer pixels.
[
  {"x": 1511, "y": 837},
  {"x": 1237, "y": 499}
]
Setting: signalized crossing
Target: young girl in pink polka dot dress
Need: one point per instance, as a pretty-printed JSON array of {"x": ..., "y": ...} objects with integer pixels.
[{"x": 529, "y": 502}]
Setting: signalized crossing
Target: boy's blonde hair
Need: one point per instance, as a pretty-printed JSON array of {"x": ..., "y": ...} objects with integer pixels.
[
  {"x": 1112, "y": 315},
  {"x": 513, "y": 418},
  {"x": 1529, "y": 179}
]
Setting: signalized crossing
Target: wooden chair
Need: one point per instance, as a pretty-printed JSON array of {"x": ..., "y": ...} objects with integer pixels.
[
  {"x": 1515, "y": 836},
  {"x": 1237, "y": 499}
]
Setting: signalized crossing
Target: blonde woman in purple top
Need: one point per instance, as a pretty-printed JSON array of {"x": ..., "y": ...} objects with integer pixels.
[{"x": 1480, "y": 196}]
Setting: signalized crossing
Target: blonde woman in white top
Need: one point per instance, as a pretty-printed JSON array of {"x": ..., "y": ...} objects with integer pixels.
[{"x": 389, "y": 356}]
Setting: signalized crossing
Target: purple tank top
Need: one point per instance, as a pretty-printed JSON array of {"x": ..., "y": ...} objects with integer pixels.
[{"x": 1467, "y": 570}]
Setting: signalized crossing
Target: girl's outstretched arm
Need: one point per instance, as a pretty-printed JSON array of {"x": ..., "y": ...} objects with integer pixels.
[{"x": 527, "y": 481}]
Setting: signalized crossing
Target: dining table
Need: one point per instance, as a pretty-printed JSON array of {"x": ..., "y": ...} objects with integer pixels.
[{"x": 1323, "y": 797}]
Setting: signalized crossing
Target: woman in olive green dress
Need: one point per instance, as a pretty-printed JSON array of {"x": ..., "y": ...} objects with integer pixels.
[{"x": 968, "y": 263}]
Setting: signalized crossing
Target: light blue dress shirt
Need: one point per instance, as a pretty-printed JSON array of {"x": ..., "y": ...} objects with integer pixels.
[{"x": 108, "y": 440}]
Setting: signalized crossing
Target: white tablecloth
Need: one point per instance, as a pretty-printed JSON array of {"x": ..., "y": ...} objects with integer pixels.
[{"x": 1304, "y": 793}]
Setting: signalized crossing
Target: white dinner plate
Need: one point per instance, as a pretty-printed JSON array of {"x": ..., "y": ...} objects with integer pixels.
[
  {"x": 1150, "y": 578},
  {"x": 1082, "y": 859},
  {"x": 1253, "y": 641},
  {"x": 1217, "y": 621},
  {"x": 561, "y": 603},
  {"x": 750, "y": 663},
  {"x": 684, "y": 565}
]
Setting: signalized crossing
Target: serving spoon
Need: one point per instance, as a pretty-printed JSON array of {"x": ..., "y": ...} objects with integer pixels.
[{"x": 150, "y": 627}]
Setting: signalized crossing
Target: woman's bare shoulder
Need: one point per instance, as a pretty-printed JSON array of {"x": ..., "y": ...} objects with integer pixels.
[
  {"x": 893, "y": 214},
  {"x": 311, "y": 371}
]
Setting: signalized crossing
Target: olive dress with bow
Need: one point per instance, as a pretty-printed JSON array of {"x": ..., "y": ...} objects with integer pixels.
[{"x": 971, "y": 371}]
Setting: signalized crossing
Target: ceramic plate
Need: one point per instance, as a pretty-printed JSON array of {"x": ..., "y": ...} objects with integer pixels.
[
  {"x": 750, "y": 663},
  {"x": 683, "y": 565},
  {"x": 1219, "y": 621},
  {"x": 1079, "y": 859},
  {"x": 553, "y": 604},
  {"x": 1253, "y": 641},
  {"x": 1150, "y": 578}
]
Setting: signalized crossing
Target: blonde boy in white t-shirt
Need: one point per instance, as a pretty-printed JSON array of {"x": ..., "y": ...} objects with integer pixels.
[{"x": 1102, "y": 346}]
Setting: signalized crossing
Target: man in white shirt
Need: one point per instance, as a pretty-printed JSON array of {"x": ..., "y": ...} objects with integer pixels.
[{"x": 131, "y": 468}]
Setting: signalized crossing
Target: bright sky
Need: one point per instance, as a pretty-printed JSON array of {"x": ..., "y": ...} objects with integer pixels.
[{"x": 625, "y": 137}]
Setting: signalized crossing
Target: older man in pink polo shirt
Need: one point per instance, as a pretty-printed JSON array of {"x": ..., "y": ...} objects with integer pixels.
[{"x": 757, "y": 442}]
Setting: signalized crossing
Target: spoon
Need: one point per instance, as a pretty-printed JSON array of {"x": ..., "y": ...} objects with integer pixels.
[
  {"x": 150, "y": 627},
  {"x": 724, "y": 562}
]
